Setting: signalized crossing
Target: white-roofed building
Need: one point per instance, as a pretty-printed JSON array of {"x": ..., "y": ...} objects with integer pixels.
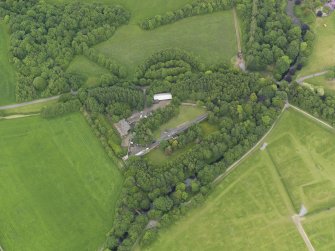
[{"x": 162, "y": 97}]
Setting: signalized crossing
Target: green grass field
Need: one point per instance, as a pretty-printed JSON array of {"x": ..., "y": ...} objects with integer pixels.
[
  {"x": 304, "y": 155},
  {"x": 7, "y": 72},
  {"x": 321, "y": 230},
  {"x": 251, "y": 208},
  {"x": 58, "y": 188},
  {"x": 323, "y": 52},
  {"x": 210, "y": 37},
  {"x": 90, "y": 71},
  {"x": 28, "y": 109},
  {"x": 186, "y": 113}
]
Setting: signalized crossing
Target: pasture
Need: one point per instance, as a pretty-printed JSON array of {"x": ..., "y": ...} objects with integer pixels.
[
  {"x": 328, "y": 85},
  {"x": 211, "y": 38},
  {"x": 58, "y": 188},
  {"x": 7, "y": 72},
  {"x": 250, "y": 209},
  {"x": 321, "y": 230},
  {"x": 303, "y": 153},
  {"x": 323, "y": 52}
]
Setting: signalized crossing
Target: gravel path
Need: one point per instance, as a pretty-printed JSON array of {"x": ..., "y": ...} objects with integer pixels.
[
  {"x": 302, "y": 79},
  {"x": 29, "y": 103},
  {"x": 297, "y": 222}
]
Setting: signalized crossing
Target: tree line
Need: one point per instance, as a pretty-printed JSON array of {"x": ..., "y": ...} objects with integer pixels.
[{"x": 198, "y": 7}]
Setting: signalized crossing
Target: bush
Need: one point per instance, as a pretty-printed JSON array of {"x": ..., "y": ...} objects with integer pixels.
[{"x": 319, "y": 13}]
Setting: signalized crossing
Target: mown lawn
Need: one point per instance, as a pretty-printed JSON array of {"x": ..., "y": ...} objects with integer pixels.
[
  {"x": 251, "y": 208},
  {"x": 58, "y": 188},
  {"x": 324, "y": 49},
  {"x": 210, "y": 37},
  {"x": 328, "y": 85},
  {"x": 7, "y": 72}
]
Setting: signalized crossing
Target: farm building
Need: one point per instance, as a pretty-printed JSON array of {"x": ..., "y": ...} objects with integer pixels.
[
  {"x": 162, "y": 97},
  {"x": 122, "y": 127}
]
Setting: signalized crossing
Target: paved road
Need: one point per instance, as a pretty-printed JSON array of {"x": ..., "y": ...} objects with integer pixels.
[
  {"x": 302, "y": 79},
  {"x": 29, "y": 103},
  {"x": 297, "y": 222}
]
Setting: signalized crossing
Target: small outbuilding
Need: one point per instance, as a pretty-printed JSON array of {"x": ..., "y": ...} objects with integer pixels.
[
  {"x": 162, "y": 97},
  {"x": 122, "y": 127}
]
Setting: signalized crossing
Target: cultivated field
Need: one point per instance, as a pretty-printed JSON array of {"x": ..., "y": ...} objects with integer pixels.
[
  {"x": 210, "y": 37},
  {"x": 323, "y": 51},
  {"x": 58, "y": 188},
  {"x": 251, "y": 208},
  {"x": 7, "y": 73}
]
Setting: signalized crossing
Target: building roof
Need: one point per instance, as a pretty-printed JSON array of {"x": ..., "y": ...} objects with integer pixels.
[
  {"x": 122, "y": 127},
  {"x": 162, "y": 96}
]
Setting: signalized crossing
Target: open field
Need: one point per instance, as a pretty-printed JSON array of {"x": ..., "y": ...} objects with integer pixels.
[
  {"x": 304, "y": 155},
  {"x": 139, "y": 9},
  {"x": 248, "y": 210},
  {"x": 87, "y": 69},
  {"x": 7, "y": 72},
  {"x": 58, "y": 188},
  {"x": 251, "y": 208},
  {"x": 323, "y": 52},
  {"x": 210, "y": 37},
  {"x": 186, "y": 114},
  {"x": 321, "y": 230}
]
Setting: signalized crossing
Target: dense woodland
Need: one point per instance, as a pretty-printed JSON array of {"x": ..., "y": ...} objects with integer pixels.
[
  {"x": 272, "y": 40},
  {"x": 46, "y": 37}
]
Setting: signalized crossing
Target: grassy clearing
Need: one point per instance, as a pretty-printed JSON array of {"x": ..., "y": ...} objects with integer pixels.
[
  {"x": 7, "y": 72},
  {"x": 58, "y": 188},
  {"x": 186, "y": 113},
  {"x": 328, "y": 85},
  {"x": 248, "y": 210},
  {"x": 304, "y": 154},
  {"x": 323, "y": 53},
  {"x": 211, "y": 37},
  {"x": 321, "y": 230},
  {"x": 138, "y": 9},
  {"x": 90, "y": 71}
]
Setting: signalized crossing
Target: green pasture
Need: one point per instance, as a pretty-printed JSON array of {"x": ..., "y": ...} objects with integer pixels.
[
  {"x": 248, "y": 210},
  {"x": 58, "y": 188},
  {"x": 321, "y": 230},
  {"x": 186, "y": 113},
  {"x": 324, "y": 46},
  {"x": 28, "y": 109},
  {"x": 303, "y": 153},
  {"x": 210, "y": 37},
  {"x": 7, "y": 72}
]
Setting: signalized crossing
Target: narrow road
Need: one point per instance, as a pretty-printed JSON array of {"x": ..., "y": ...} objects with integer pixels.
[
  {"x": 297, "y": 222},
  {"x": 29, "y": 103},
  {"x": 290, "y": 12},
  {"x": 302, "y": 79}
]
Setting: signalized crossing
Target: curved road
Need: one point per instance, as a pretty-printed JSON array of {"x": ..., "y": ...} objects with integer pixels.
[{"x": 302, "y": 79}]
